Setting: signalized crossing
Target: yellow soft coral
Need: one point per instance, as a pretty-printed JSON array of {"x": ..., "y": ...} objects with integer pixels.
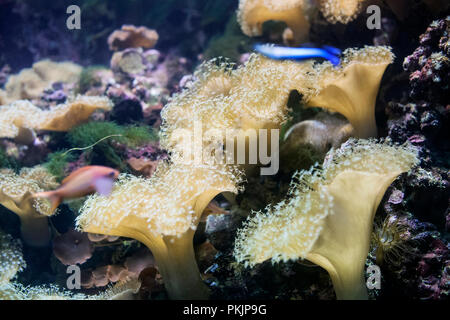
[
  {"x": 162, "y": 212},
  {"x": 11, "y": 259},
  {"x": 328, "y": 216},
  {"x": 253, "y": 13},
  {"x": 130, "y": 36},
  {"x": 30, "y": 83},
  {"x": 20, "y": 117},
  {"x": 253, "y": 96},
  {"x": 15, "y": 195},
  {"x": 342, "y": 11},
  {"x": 352, "y": 88}
]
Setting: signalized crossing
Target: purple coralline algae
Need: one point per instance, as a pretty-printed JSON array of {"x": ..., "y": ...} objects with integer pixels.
[{"x": 429, "y": 65}]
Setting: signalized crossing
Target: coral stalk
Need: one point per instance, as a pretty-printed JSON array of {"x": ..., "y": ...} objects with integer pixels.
[
  {"x": 177, "y": 265},
  {"x": 352, "y": 89},
  {"x": 35, "y": 230},
  {"x": 163, "y": 213},
  {"x": 328, "y": 216}
]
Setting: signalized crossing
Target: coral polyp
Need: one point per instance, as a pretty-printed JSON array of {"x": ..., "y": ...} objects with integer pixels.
[{"x": 391, "y": 240}]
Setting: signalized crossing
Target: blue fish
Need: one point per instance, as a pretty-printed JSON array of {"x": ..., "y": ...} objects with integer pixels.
[{"x": 284, "y": 53}]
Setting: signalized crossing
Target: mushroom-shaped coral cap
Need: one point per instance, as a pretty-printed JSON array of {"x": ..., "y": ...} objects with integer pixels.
[
  {"x": 30, "y": 83},
  {"x": 21, "y": 116},
  {"x": 11, "y": 259},
  {"x": 342, "y": 11},
  {"x": 352, "y": 89},
  {"x": 329, "y": 215},
  {"x": 15, "y": 194},
  {"x": 253, "y": 96},
  {"x": 65, "y": 117},
  {"x": 130, "y": 36},
  {"x": 72, "y": 247},
  {"x": 253, "y": 13},
  {"x": 162, "y": 212}
]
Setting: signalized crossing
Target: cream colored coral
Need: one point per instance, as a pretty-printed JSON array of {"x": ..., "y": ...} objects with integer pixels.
[
  {"x": 11, "y": 259},
  {"x": 253, "y": 96},
  {"x": 17, "y": 291},
  {"x": 162, "y": 212},
  {"x": 328, "y": 216},
  {"x": 130, "y": 36},
  {"x": 352, "y": 88},
  {"x": 15, "y": 195},
  {"x": 342, "y": 11},
  {"x": 41, "y": 176},
  {"x": 18, "y": 118},
  {"x": 66, "y": 116},
  {"x": 30, "y": 83},
  {"x": 253, "y": 13},
  {"x": 322, "y": 133}
]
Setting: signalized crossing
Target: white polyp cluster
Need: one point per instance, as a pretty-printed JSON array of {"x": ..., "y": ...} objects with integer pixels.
[
  {"x": 164, "y": 203},
  {"x": 11, "y": 259},
  {"x": 22, "y": 114},
  {"x": 41, "y": 176},
  {"x": 17, "y": 291},
  {"x": 247, "y": 7},
  {"x": 252, "y": 96},
  {"x": 326, "y": 73},
  {"x": 342, "y": 11},
  {"x": 369, "y": 156},
  {"x": 289, "y": 229}
]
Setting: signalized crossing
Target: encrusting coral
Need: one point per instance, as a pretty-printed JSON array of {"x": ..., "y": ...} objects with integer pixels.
[
  {"x": 130, "y": 36},
  {"x": 17, "y": 291},
  {"x": 15, "y": 195},
  {"x": 21, "y": 117},
  {"x": 30, "y": 83},
  {"x": 162, "y": 212},
  {"x": 328, "y": 216},
  {"x": 11, "y": 259},
  {"x": 352, "y": 88},
  {"x": 253, "y": 13}
]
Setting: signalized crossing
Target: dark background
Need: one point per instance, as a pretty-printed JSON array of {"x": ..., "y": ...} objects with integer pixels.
[{"x": 31, "y": 30}]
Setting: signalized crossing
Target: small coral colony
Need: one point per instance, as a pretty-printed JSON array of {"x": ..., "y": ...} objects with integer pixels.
[{"x": 100, "y": 198}]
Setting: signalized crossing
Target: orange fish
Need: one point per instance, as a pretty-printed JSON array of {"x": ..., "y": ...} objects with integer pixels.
[{"x": 81, "y": 182}]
